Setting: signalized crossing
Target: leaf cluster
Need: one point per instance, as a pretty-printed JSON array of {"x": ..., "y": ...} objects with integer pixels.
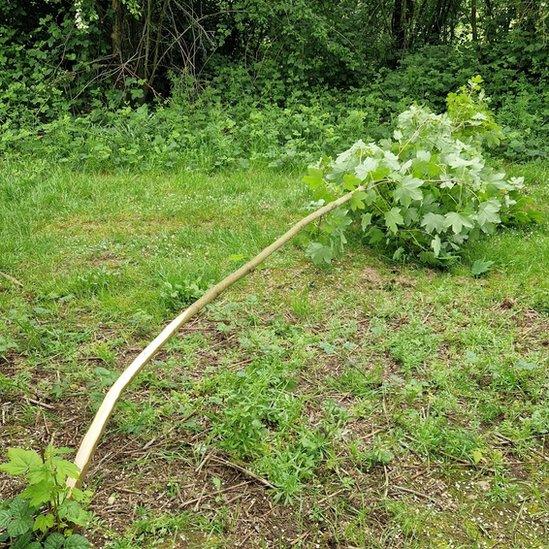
[{"x": 428, "y": 190}]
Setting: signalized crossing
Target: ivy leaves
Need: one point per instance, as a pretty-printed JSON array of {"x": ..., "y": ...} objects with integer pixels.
[{"x": 428, "y": 191}]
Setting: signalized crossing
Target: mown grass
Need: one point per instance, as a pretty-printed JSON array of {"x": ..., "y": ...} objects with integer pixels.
[{"x": 388, "y": 404}]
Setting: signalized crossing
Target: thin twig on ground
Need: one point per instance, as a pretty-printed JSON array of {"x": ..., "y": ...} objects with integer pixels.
[
  {"x": 11, "y": 279},
  {"x": 416, "y": 493},
  {"x": 243, "y": 470},
  {"x": 212, "y": 494},
  {"x": 40, "y": 403}
]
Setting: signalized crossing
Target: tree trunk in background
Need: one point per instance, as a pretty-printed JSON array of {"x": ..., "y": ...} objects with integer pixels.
[
  {"x": 401, "y": 24},
  {"x": 398, "y": 25},
  {"x": 116, "y": 35},
  {"x": 474, "y": 20}
]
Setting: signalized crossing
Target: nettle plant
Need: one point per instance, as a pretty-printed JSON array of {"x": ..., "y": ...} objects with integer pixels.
[
  {"x": 426, "y": 191},
  {"x": 43, "y": 515}
]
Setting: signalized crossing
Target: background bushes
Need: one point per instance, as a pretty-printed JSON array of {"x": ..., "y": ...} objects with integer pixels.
[{"x": 156, "y": 84}]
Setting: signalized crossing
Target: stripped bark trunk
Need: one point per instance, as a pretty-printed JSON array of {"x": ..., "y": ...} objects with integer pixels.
[{"x": 91, "y": 438}]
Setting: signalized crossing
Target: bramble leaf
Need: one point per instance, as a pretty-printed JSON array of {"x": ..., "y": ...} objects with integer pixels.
[
  {"x": 55, "y": 541},
  {"x": 39, "y": 493},
  {"x": 19, "y": 525},
  {"x": 20, "y": 461},
  {"x": 76, "y": 541},
  {"x": 67, "y": 469},
  {"x": 5, "y": 519},
  {"x": 73, "y": 512}
]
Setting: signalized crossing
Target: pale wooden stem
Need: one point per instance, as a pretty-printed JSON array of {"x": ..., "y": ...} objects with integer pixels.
[{"x": 92, "y": 436}]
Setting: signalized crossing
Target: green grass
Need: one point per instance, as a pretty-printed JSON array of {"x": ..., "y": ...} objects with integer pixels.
[{"x": 388, "y": 404}]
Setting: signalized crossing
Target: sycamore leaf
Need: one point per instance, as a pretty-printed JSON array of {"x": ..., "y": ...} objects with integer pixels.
[
  {"x": 398, "y": 253},
  {"x": 408, "y": 190},
  {"x": 436, "y": 245},
  {"x": 393, "y": 218},
  {"x": 20, "y": 461},
  {"x": 457, "y": 221},
  {"x": 406, "y": 166},
  {"x": 365, "y": 221},
  {"x": 371, "y": 197},
  {"x": 433, "y": 222},
  {"x": 365, "y": 167},
  {"x": 481, "y": 266},
  {"x": 375, "y": 235},
  {"x": 319, "y": 253},
  {"x": 391, "y": 160},
  {"x": 357, "y": 200},
  {"x": 351, "y": 181},
  {"x": 315, "y": 181},
  {"x": 411, "y": 215},
  {"x": 380, "y": 172},
  {"x": 488, "y": 212}
]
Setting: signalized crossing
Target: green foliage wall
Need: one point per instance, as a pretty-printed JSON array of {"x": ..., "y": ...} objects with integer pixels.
[{"x": 152, "y": 83}]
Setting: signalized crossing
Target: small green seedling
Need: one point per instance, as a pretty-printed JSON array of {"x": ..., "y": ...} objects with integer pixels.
[
  {"x": 480, "y": 267},
  {"x": 43, "y": 515}
]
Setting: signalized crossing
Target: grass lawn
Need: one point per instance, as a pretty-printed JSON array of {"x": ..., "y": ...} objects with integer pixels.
[{"x": 389, "y": 405}]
